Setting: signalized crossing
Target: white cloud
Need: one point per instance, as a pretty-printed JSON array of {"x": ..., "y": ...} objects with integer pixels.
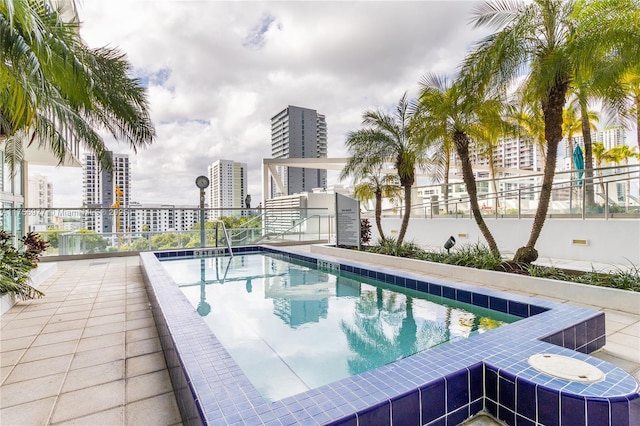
[{"x": 217, "y": 71}]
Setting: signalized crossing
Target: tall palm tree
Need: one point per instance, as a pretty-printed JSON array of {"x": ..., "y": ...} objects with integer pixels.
[
  {"x": 372, "y": 184},
  {"x": 57, "y": 90},
  {"x": 448, "y": 112},
  {"x": 619, "y": 154},
  {"x": 544, "y": 41},
  {"x": 389, "y": 138}
]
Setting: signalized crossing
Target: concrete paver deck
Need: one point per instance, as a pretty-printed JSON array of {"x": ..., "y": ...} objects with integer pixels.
[{"x": 88, "y": 352}]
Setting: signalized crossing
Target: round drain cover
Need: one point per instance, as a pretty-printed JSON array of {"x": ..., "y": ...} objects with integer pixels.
[{"x": 566, "y": 368}]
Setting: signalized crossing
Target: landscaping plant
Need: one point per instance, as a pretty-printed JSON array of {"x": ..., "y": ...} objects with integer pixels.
[
  {"x": 15, "y": 265},
  {"x": 480, "y": 256}
]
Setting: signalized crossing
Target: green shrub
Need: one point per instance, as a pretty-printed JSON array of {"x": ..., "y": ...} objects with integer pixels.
[
  {"x": 15, "y": 264},
  {"x": 480, "y": 257}
]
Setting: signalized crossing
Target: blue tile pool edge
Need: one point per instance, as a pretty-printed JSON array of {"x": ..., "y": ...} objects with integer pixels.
[{"x": 211, "y": 389}]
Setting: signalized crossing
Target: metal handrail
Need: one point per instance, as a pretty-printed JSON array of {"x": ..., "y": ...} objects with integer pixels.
[
  {"x": 295, "y": 225},
  {"x": 226, "y": 236}
]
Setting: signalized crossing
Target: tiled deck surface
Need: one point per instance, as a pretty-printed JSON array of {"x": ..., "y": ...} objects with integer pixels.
[{"x": 88, "y": 352}]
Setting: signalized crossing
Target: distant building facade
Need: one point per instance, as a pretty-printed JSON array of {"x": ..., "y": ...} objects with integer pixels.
[
  {"x": 39, "y": 196},
  {"x": 299, "y": 133},
  {"x": 162, "y": 217},
  {"x": 103, "y": 189},
  {"x": 227, "y": 187}
]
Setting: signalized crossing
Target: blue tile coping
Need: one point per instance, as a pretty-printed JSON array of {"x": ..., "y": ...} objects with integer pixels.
[{"x": 442, "y": 386}]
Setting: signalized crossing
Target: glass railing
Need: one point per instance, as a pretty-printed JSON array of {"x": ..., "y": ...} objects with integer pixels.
[
  {"x": 612, "y": 192},
  {"x": 105, "y": 230}
]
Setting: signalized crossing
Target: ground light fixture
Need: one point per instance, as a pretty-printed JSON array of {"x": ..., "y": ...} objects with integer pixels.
[
  {"x": 449, "y": 243},
  {"x": 202, "y": 182}
]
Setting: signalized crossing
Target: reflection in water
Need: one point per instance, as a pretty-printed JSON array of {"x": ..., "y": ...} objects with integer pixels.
[
  {"x": 300, "y": 295},
  {"x": 203, "y": 307},
  {"x": 291, "y": 327}
]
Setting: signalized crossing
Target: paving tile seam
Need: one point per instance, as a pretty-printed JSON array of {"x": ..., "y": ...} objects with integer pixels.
[{"x": 93, "y": 413}]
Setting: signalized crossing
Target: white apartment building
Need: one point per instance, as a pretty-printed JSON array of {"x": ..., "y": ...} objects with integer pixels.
[
  {"x": 610, "y": 137},
  {"x": 103, "y": 189},
  {"x": 227, "y": 187},
  {"x": 299, "y": 133},
  {"x": 162, "y": 217},
  {"x": 39, "y": 196}
]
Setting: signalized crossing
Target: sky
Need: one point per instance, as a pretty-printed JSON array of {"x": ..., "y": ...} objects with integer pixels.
[{"x": 217, "y": 71}]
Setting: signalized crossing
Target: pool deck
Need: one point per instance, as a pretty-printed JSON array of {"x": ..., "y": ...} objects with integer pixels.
[{"x": 89, "y": 353}]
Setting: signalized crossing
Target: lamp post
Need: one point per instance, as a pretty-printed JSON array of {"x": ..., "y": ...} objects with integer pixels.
[{"x": 202, "y": 182}]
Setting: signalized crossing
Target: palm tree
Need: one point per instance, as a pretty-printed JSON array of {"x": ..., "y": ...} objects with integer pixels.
[
  {"x": 372, "y": 185},
  {"x": 389, "y": 138},
  {"x": 57, "y": 90},
  {"x": 601, "y": 157},
  {"x": 487, "y": 148},
  {"x": 631, "y": 82},
  {"x": 619, "y": 154},
  {"x": 545, "y": 39},
  {"x": 448, "y": 112},
  {"x": 572, "y": 123},
  {"x": 526, "y": 121}
]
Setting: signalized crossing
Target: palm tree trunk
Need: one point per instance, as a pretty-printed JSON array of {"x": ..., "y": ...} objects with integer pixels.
[
  {"x": 601, "y": 182},
  {"x": 588, "y": 154},
  {"x": 494, "y": 184},
  {"x": 552, "y": 110},
  {"x": 445, "y": 191},
  {"x": 379, "y": 214},
  {"x": 637, "y": 102},
  {"x": 628, "y": 186},
  {"x": 461, "y": 141},
  {"x": 407, "y": 212},
  {"x": 571, "y": 167}
]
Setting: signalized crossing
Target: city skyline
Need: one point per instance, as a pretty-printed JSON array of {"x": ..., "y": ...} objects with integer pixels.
[
  {"x": 218, "y": 71},
  {"x": 215, "y": 83}
]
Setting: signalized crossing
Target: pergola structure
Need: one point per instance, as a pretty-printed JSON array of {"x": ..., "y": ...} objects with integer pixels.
[{"x": 269, "y": 169}]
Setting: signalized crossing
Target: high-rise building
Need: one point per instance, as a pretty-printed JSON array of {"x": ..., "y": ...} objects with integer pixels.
[
  {"x": 39, "y": 196},
  {"x": 227, "y": 187},
  {"x": 299, "y": 133},
  {"x": 103, "y": 189},
  {"x": 609, "y": 137}
]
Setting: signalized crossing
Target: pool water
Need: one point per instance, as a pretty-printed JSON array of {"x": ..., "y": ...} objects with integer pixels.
[{"x": 291, "y": 327}]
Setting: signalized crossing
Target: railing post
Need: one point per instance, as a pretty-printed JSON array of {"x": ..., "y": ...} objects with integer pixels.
[
  {"x": 519, "y": 203},
  {"x": 606, "y": 201},
  {"x": 584, "y": 199}
]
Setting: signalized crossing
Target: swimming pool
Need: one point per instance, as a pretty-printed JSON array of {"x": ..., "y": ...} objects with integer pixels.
[
  {"x": 444, "y": 385},
  {"x": 292, "y": 327}
]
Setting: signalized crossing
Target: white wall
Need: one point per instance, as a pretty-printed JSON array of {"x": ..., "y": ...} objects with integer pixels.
[{"x": 615, "y": 241}]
